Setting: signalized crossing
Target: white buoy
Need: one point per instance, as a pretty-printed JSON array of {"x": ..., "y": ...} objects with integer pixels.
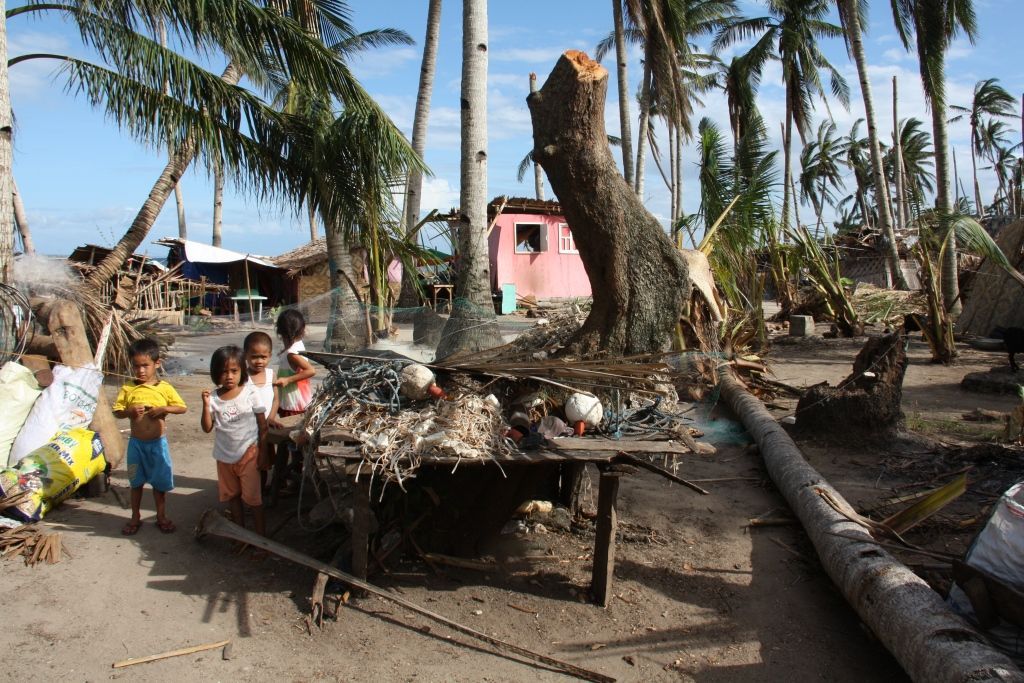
[
  {"x": 584, "y": 408},
  {"x": 416, "y": 381}
]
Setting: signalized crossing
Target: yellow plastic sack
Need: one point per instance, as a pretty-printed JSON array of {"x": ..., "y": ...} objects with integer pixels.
[{"x": 53, "y": 472}]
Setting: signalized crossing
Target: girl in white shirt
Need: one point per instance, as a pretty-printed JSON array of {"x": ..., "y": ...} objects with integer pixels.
[
  {"x": 257, "y": 347},
  {"x": 237, "y": 416}
]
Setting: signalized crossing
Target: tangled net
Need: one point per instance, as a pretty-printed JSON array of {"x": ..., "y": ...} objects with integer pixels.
[
  {"x": 396, "y": 434},
  {"x": 15, "y": 323}
]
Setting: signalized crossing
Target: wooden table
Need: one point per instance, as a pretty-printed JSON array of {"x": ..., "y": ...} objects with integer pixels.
[
  {"x": 604, "y": 541},
  {"x": 450, "y": 289}
]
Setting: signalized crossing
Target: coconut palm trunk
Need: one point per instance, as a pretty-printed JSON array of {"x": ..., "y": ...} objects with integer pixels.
[
  {"x": 625, "y": 127},
  {"x": 851, "y": 21},
  {"x": 414, "y": 188},
  {"x": 179, "y": 196},
  {"x": 902, "y": 218},
  {"x": 538, "y": 172},
  {"x": 944, "y": 203},
  {"x": 979, "y": 207},
  {"x": 472, "y": 324},
  {"x": 158, "y": 195},
  {"x": 218, "y": 206},
  {"x": 906, "y": 615},
  {"x": 643, "y": 129},
  {"x": 348, "y": 326},
  {"x": 21, "y": 220},
  {"x": 787, "y": 147},
  {"x": 6, "y": 160}
]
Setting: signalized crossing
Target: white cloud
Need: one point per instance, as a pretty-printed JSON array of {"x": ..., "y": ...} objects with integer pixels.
[
  {"x": 438, "y": 193},
  {"x": 384, "y": 62}
]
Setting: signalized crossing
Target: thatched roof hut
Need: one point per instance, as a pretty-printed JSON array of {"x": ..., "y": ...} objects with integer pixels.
[
  {"x": 994, "y": 298},
  {"x": 308, "y": 274}
]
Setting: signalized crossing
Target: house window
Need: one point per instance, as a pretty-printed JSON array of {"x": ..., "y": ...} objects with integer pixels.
[
  {"x": 531, "y": 238},
  {"x": 566, "y": 243}
]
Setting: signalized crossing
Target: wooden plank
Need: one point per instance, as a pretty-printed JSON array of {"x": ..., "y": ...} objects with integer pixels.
[
  {"x": 361, "y": 528},
  {"x": 280, "y": 434},
  {"x": 604, "y": 539},
  {"x": 620, "y": 446}
]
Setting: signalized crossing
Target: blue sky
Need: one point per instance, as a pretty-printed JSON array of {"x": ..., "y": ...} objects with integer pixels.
[{"x": 83, "y": 181}]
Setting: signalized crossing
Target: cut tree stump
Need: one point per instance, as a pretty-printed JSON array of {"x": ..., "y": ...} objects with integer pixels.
[
  {"x": 866, "y": 406},
  {"x": 629, "y": 259}
]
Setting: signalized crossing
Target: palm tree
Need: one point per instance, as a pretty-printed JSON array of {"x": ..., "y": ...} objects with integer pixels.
[
  {"x": 414, "y": 185},
  {"x": 852, "y": 15},
  {"x": 933, "y": 24},
  {"x": 349, "y": 162},
  {"x": 794, "y": 27},
  {"x": 472, "y": 324},
  {"x": 856, "y": 155},
  {"x": 202, "y": 114},
  {"x": 668, "y": 85},
  {"x": 917, "y": 161},
  {"x": 6, "y": 163},
  {"x": 990, "y": 100},
  {"x": 218, "y": 206},
  {"x": 1003, "y": 163},
  {"x": 625, "y": 128},
  {"x": 820, "y": 173}
]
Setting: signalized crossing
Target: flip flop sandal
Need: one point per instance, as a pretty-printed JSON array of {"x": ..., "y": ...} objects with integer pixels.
[
  {"x": 131, "y": 528},
  {"x": 166, "y": 527}
]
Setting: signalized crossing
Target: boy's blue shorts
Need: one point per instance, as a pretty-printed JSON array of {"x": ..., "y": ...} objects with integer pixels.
[{"x": 149, "y": 462}]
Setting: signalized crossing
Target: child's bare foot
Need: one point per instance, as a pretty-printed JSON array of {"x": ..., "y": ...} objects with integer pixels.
[{"x": 131, "y": 527}]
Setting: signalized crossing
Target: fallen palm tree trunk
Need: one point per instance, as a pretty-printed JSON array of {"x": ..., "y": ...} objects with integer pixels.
[
  {"x": 214, "y": 524},
  {"x": 905, "y": 614}
]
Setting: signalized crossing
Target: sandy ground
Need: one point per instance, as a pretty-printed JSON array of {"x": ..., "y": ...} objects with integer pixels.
[{"x": 699, "y": 595}]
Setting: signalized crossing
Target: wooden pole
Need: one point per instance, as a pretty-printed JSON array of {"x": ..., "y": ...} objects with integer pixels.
[
  {"x": 248, "y": 290},
  {"x": 213, "y": 523},
  {"x": 604, "y": 540}
]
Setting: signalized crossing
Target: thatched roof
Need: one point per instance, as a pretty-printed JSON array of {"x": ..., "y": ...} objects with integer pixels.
[
  {"x": 309, "y": 254},
  {"x": 503, "y": 204}
]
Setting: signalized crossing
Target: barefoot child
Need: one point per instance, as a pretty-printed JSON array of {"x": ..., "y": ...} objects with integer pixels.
[
  {"x": 237, "y": 417},
  {"x": 294, "y": 391},
  {"x": 146, "y": 403},
  {"x": 258, "y": 347}
]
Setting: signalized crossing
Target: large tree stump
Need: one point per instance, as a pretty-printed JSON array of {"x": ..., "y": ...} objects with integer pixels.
[
  {"x": 67, "y": 330},
  {"x": 865, "y": 405},
  {"x": 636, "y": 274}
]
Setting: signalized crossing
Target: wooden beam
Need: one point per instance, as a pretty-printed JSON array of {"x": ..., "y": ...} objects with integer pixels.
[
  {"x": 214, "y": 523},
  {"x": 604, "y": 538}
]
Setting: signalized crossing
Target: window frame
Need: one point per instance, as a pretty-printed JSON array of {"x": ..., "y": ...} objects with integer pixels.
[
  {"x": 570, "y": 239},
  {"x": 542, "y": 234}
]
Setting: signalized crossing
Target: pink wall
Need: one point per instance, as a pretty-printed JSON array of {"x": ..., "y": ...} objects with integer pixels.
[{"x": 545, "y": 274}]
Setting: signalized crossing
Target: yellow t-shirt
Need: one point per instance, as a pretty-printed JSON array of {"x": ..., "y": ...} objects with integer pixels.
[{"x": 157, "y": 395}]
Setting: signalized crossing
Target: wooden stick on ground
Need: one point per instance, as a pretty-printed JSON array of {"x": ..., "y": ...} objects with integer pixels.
[
  {"x": 651, "y": 467},
  {"x": 215, "y": 524},
  {"x": 172, "y": 653}
]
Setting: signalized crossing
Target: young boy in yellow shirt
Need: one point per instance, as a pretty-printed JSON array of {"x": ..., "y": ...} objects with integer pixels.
[{"x": 146, "y": 403}]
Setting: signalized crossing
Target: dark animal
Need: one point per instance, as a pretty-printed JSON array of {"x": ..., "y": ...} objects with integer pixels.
[{"x": 1013, "y": 340}]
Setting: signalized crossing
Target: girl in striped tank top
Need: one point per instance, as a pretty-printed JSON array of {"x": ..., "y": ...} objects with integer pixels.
[{"x": 294, "y": 391}]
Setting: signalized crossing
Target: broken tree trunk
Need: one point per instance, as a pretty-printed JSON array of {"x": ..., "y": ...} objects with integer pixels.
[
  {"x": 629, "y": 259},
  {"x": 64, "y": 321},
  {"x": 905, "y": 614},
  {"x": 866, "y": 406}
]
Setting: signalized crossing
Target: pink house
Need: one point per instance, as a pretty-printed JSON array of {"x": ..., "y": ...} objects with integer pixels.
[{"x": 532, "y": 247}]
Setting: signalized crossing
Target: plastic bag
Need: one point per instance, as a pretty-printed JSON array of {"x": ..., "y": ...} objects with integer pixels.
[
  {"x": 52, "y": 473},
  {"x": 999, "y": 546},
  {"x": 18, "y": 391},
  {"x": 998, "y": 549},
  {"x": 67, "y": 403}
]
